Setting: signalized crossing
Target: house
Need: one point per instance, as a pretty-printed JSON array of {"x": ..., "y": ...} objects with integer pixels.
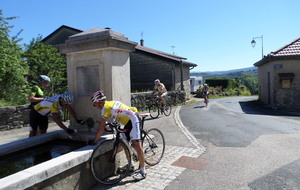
[
  {"x": 146, "y": 64},
  {"x": 279, "y": 77},
  {"x": 60, "y": 35}
]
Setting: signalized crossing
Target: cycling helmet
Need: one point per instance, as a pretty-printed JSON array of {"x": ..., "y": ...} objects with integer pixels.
[
  {"x": 44, "y": 78},
  {"x": 98, "y": 96},
  {"x": 157, "y": 81},
  {"x": 205, "y": 84},
  {"x": 68, "y": 97}
]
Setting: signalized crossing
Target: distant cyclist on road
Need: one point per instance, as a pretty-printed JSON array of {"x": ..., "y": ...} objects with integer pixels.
[
  {"x": 53, "y": 105},
  {"x": 125, "y": 115},
  {"x": 205, "y": 93},
  {"x": 162, "y": 91}
]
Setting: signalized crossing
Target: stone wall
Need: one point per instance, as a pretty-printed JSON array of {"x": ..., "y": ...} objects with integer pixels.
[
  {"x": 140, "y": 100},
  {"x": 16, "y": 117},
  {"x": 271, "y": 89}
]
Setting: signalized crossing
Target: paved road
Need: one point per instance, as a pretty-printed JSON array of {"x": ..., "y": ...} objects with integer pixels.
[
  {"x": 209, "y": 159},
  {"x": 246, "y": 147}
]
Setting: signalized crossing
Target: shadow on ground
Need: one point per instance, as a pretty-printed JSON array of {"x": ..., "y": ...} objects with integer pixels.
[{"x": 257, "y": 107}]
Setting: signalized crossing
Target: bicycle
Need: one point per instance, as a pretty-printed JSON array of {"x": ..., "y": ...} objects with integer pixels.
[
  {"x": 111, "y": 159},
  {"x": 205, "y": 96},
  {"x": 156, "y": 108}
]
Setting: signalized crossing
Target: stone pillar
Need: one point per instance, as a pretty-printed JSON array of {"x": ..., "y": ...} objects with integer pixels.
[{"x": 98, "y": 59}]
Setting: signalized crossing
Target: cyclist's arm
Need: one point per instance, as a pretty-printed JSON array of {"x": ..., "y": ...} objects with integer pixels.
[
  {"x": 72, "y": 112},
  {"x": 57, "y": 119},
  {"x": 100, "y": 129},
  {"x": 154, "y": 90},
  {"x": 31, "y": 98}
]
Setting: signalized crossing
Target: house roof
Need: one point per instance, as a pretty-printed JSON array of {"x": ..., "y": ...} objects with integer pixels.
[
  {"x": 64, "y": 32},
  {"x": 289, "y": 51},
  {"x": 170, "y": 57}
]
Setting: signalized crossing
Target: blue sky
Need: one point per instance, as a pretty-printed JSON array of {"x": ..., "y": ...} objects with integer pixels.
[{"x": 214, "y": 34}]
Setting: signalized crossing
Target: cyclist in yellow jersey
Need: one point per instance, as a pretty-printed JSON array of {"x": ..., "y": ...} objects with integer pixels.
[
  {"x": 54, "y": 105},
  {"x": 126, "y": 116},
  {"x": 162, "y": 91}
]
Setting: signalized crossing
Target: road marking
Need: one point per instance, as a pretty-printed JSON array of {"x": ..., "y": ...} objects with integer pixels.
[{"x": 184, "y": 130}]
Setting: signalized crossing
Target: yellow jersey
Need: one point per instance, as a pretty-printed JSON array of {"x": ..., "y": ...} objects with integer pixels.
[
  {"x": 118, "y": 111},
  {"x": 161, "y": 88},
  {"x": 49, "y": 105}
]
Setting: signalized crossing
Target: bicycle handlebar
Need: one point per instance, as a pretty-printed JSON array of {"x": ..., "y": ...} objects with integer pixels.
[{"x": 110, "y": 127}]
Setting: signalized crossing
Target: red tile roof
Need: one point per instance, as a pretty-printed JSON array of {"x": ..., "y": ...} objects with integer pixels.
[{"x": 290, "y": 49}]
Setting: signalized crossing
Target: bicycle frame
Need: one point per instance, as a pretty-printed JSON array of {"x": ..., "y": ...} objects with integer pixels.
[{"x": 119, "y": 149}]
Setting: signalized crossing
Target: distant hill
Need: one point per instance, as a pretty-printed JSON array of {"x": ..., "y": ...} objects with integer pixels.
[
  {"x": 224, "y": 72},
  {"x": 230, "y": 74}
]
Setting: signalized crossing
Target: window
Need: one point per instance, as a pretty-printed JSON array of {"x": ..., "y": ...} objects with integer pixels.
[{"x": 286, "y": 79}]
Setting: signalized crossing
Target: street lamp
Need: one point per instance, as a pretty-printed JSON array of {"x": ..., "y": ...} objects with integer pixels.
[{"x": 253, "y": 42}]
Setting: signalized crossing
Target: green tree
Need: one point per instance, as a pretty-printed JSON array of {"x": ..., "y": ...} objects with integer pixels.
[
  {"x": 250, "y": 82},
  {"x": 13, "y": 69},
  {"x": 46, "y": 60}
]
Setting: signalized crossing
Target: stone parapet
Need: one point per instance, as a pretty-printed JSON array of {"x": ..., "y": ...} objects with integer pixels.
[
  {"x": 140, "y": 100},
  {"x": 18, "y": 116},
  {"x": 12, "y": 117}
]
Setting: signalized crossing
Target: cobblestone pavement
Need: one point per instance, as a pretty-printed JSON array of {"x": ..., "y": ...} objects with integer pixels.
[
  {"x": 159, "y": 176},
  {"x": 162, "y": 174}
]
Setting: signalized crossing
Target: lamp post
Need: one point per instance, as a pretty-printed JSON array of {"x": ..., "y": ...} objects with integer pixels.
[{"x": 253, "y": 42}]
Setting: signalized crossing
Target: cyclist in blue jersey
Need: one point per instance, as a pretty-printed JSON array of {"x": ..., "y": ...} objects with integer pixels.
[{"x": 53, "y": 105}]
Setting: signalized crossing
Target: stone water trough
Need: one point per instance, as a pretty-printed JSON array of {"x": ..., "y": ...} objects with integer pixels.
[{"x": 68, "y": 171}]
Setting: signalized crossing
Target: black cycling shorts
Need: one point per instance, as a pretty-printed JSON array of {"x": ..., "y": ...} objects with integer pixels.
[{"x": 37, "y": 121}]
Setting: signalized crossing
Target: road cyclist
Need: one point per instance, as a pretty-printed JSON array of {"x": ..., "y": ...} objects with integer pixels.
[
  {"x": 54, "y": 105},
  {"x": 205, "y": 93},
  {"x": 162, "y": 93},
  {"x": 126, "y": 116},
  {"x": 35, "y": 96}
]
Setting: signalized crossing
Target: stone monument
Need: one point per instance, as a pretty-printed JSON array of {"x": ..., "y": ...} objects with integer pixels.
[{"x": 98, "y": 59}]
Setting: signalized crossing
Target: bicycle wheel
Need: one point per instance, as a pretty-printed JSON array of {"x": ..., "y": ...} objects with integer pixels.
[
  {"x": 206, "y": 101},
  {"x": 168, "y": 109},
  {"x": 153, "y": 110},
  {"x": 154, "y": 146},
  {"x": 106, "y": 168}
]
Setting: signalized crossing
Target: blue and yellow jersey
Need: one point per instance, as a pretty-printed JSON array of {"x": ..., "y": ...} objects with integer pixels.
[
  {"x": 118, "y": 111},
  {"x": 49, "y": 105}
]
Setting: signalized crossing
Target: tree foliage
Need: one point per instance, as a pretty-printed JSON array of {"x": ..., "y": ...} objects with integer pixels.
[
  {"x": 250, "y": 82},
  {"x": 13, "y": 69},
  {"x": 46, "y": 60},
  {"x": 20, "y": 66},
  {"x": 249, "y": 79}
]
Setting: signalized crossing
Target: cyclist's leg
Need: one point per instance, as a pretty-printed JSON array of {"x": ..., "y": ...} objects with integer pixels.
[
  {"x": 43, "y": 124},
  {"x": 135, "y": 136},
  {"x": 163, "y": 100},
  {"x": 33, "y": 122}
]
